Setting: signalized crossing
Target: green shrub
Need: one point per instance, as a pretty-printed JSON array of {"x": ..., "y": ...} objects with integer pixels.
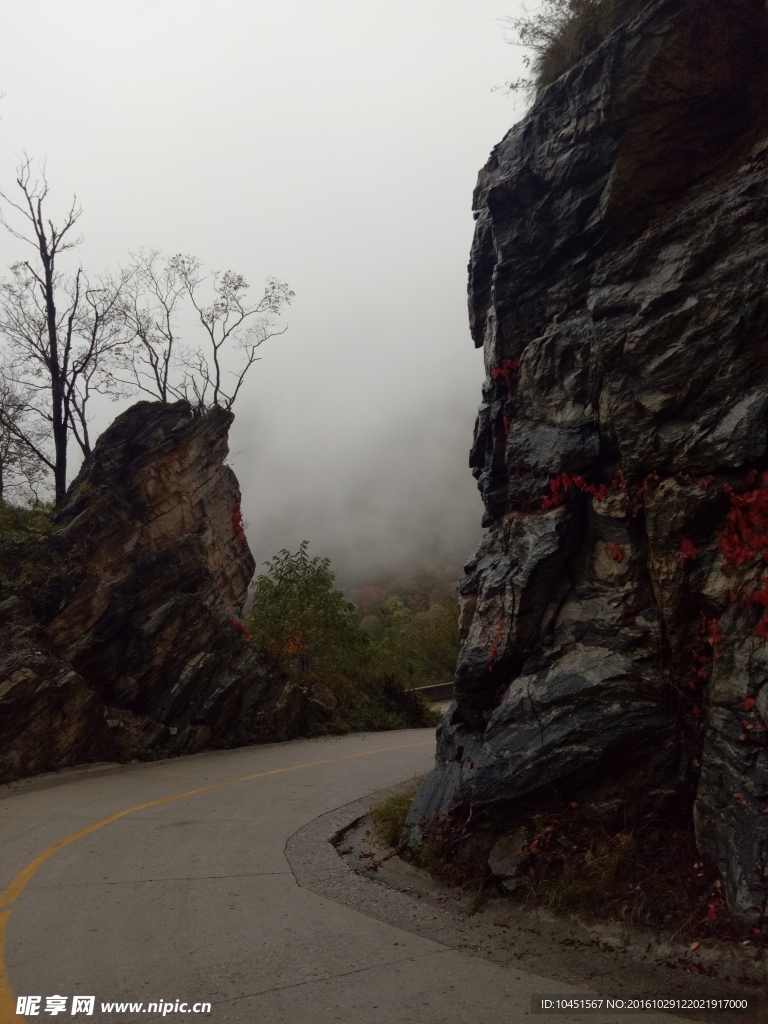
[
  {"x": 35, "y": 564},
  {"x": 563, "y": 32},
  {"x": 24, "y": 521},
  {"x": 27, "y": 565}
]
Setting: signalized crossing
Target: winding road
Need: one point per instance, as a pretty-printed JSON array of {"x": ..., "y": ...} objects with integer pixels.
[{"x": 168, "y": 882}]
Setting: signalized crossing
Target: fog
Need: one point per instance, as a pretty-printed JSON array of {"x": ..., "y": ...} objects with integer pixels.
[{"x": 334, "y": 146}]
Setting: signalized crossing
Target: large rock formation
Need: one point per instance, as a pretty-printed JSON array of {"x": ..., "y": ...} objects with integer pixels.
[
  {"x": 140, "y": 646},
  {"x": 614, "y": 649}
]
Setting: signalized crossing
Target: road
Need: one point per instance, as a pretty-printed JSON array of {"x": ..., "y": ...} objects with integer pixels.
[{"x": 169, "y": 881}]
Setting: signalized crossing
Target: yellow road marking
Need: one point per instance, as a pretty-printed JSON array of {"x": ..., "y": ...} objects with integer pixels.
[
  {"x": 9, "y": 896},
  {"x": 7, "y": 1004}
]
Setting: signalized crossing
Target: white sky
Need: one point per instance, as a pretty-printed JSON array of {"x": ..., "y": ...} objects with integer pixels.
[{"x": 334, "y": 146}]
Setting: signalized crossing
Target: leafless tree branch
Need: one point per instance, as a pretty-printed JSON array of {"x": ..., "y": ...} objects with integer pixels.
[
  {"x": 61, "y": 331},
  {"x": 231, "y": 327}
]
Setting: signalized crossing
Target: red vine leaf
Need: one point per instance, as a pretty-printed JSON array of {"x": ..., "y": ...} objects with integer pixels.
[
  {"x": 615, "y": 551},
  {"x": 688, "y": 551}
]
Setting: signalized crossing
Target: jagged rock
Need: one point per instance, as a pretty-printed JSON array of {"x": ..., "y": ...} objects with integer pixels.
[
  {"x": 48, "y": 716},
  {"x": 144, "y": 650},
  {"x": 617, "y": 286}
]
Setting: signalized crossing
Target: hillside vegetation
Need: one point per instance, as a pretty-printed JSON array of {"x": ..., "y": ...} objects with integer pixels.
[
  {"x": 562, "y": 32},
  {"x": 362, "y": 662},
  {"x": 33, "y": 566}
]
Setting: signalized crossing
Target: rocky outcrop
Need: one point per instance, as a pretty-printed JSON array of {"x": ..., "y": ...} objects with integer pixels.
[
  {"x": 142, "y": 648},
  {"x": 614, "y": 646}
]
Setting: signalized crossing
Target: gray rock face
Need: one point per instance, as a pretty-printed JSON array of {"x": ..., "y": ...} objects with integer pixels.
[
  {"x": 145, "y": 650},
  {"x": 508, "y": 856},
  {"x": 617, "y": 284}
]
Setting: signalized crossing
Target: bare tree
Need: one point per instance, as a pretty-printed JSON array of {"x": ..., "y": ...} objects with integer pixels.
[
  {"x": 66, "y": 337},
  {"x": 152, "y": 297},
  {"x": 59, "y": 329},
  {"x": 24, "y": 457},
  {"x": 233, "y": 328}
]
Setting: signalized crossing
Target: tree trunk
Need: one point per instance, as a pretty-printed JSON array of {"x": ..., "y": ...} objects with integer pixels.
[
  {"x": 60, "y": 470},
  {"x": 58, "y": 412}
]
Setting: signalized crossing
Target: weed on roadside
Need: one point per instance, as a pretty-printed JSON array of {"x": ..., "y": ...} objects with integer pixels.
[{"x": 388, "y": 817}]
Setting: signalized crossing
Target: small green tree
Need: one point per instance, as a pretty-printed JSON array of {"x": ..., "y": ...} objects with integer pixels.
[
  {"x": 351, "y": 677},
  {"x": 298, "y": 619}
]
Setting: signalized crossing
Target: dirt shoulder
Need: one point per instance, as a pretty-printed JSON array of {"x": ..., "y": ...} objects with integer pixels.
[{"x": 338, "y": 856}]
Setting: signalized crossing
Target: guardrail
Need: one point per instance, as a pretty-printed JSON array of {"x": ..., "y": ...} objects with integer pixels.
[{"x": 437, "y": 693}]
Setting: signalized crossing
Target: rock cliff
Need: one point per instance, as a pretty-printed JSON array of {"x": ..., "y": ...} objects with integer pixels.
[
  {"x": 140, "y": 647},
  {"x": 614, "y": 647}
]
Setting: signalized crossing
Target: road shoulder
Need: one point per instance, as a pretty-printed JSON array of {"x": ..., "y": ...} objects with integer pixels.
[{"x": 337, "y": 857}]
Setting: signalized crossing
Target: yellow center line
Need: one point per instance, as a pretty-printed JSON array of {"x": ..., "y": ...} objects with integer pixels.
[
  {"x": 9, "y": 896},
  {"x": 7, "y": 1004}
]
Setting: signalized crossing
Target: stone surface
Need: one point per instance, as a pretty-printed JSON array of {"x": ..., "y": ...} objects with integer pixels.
[
  {"x": 143, "y": 652},
  {"x": 617, "y": 285},
  {"x": 509, "y": 854}
]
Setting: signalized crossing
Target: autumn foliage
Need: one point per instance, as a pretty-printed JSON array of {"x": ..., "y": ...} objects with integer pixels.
[
  {"x": 560, "y": 485},
  {"x": 238, "y": 526},
  {"x": 508, "y": 371},
  {"x": 241, "y": 628},
  {"x": 688, "y": 551},
  {"x": 743, "y": 543}
]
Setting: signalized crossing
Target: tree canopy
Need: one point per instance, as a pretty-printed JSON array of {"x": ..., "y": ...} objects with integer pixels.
[
  {"x": 367, "y": 666},
  {"x": 297, "y": 616}
]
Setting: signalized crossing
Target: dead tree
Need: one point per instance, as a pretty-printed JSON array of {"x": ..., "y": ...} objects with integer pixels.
[{"x": 59, "y": 330}]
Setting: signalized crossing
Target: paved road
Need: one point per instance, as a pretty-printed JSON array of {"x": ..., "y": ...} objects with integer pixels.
[{"x": 171, "y": 883}]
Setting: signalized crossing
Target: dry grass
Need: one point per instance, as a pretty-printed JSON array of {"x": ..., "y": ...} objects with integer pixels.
[
  {"x": 562, "y": 32},
  {"x": 649, "y": 874}
]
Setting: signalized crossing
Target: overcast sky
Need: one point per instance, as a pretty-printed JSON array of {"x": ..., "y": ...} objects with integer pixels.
[{"x": 335, "y": 146}]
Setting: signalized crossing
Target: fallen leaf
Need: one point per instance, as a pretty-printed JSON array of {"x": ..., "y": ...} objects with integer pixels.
[{"x": 695, "y": 945}]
